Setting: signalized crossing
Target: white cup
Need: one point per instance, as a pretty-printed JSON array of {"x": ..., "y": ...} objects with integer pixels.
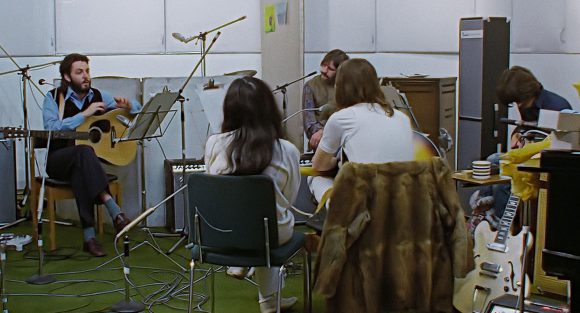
[{"x": 481, "y": 169}]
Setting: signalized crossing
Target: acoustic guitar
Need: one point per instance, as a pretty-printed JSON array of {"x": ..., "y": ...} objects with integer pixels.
[
  {"x": 98, "y": 131},
  {"x": 498, "y": 264}
]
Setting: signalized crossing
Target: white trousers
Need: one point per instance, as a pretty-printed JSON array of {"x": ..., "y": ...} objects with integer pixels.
[
  {"x": 319, "y": 185},
  {"x": 267, "y": 278}
]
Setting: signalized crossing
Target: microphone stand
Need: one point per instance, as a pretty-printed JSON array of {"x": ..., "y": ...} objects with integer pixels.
[
  {"x": 25, "y": 73},
  {"x": 181, "y": 100},
  {"x": 127, "y": 305},
  {"x": 202, "y": 36},
  {"x": 301, "y": 111},
  {"x": 283, "y": 90},
  {"x": 41, "y": 278}
]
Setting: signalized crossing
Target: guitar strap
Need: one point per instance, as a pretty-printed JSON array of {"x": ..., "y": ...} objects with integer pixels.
[{"x": 60, "y": 105}]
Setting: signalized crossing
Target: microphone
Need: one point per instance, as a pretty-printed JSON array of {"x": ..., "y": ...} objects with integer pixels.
[
  {"x": 523, "y": 123},
  {"x": 211, "y": 85},
  {"x": 148, "y": 212},
  {"x": 180, "y": 37},
  {"x": 124, "y": 120},
  {"x": 283, "y": 87},
  {"x": 44, "y": 82},
  {"x": 319, "y": 109}
]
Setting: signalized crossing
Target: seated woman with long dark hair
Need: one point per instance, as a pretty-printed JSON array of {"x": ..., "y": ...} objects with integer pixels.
[{"x": 251, "y": 142}]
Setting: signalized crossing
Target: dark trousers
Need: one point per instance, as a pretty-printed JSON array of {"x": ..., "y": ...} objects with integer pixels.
[{"x": 80, "y": 165}]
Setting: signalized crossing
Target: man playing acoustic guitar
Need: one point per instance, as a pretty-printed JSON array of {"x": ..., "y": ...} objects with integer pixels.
[{"x": 66, "y": 108}]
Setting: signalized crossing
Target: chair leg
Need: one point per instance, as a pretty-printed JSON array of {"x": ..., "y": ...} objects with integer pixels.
[
  {"x": 307, "y": 281},
  {"x": 33, "y": 213},
  {"x": 100, "y": 221},
  {"x": 51, "y": 208},
  {"x": 279, "y": 296},
  {"x": 191, "y": 277},
  {"x": 212, "y": 289}
]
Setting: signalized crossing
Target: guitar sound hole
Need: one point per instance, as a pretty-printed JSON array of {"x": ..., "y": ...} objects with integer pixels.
[
  {"x": 94, "y": 135},
  {"x": 103, "y": 125}
]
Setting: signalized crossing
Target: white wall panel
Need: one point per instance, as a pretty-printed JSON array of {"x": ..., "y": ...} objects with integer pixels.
[
  {"x": 420, "y": 25},
  {"x": 191, "y": 17},
  {"x": 537, "y": 26},
  {"x": 343, "y": 24},
  {"x": 110, "y": 26},
  {"x": 571, "y": 33},
  {"x": 27, "y": 27},
  {"x": 493, "y": 8}
]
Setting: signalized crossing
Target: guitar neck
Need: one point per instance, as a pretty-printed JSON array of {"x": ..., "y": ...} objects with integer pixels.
[
  {"x": 43, "y": 134},
  {"x": 505, "y": 223}
]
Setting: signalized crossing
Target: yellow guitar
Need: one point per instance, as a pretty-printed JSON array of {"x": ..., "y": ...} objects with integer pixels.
[{"x": 98, "y": 131}]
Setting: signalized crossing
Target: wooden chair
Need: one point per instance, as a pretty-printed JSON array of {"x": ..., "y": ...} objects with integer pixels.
[{"x": 56, "y": 190}]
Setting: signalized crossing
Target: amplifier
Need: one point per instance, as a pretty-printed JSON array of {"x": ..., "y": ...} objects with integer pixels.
[
  {"x": 508, "y": 304},
  {"x": 7, "y": 181},
  {"x": 174, "y": 208}
]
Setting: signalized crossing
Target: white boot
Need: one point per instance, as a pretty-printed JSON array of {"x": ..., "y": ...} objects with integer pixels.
[{"x": 268, "y": 305}]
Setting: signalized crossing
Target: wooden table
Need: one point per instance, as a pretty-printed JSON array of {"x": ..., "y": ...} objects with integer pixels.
[{"x": 466, "y": 178}]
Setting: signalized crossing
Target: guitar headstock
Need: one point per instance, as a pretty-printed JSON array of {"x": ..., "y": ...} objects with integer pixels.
[{"x": 12, "y": 132}]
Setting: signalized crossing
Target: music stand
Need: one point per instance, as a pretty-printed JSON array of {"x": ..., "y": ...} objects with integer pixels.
[{"x": 149, "y": 120}]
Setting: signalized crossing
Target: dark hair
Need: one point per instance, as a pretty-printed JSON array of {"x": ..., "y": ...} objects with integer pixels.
[
  {"x": 251, "y": 111},
  {"x": 517, "y": 84},
  {"x": 335, "y": 56},
  {"x": 357, "y": 82},
  {"x": 66, "y": 65}
]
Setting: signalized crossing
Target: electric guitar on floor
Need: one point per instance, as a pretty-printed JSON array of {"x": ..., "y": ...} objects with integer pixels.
[
  {"x": 98, "y": 131},
  {"x": 498, "y": 264}
]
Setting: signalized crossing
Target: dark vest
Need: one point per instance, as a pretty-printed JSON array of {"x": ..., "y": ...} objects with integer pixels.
[{"x": 70, "y": 109}]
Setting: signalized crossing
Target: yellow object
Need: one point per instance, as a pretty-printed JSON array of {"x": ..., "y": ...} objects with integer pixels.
[
  {"x": 524, "y": 184},
  {"x": 269, "y": 18},
  {"x": 577, "y": 86}
]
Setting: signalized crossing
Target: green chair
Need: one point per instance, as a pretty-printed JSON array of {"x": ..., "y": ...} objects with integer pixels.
[{"x": 232, "y": 222}]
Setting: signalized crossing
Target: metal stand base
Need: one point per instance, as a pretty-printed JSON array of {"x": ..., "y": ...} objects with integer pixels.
[
  {"x": 131, "y": 306},
  {"x": 177, "y": 244},
  {"x": 41, "y": 280}
]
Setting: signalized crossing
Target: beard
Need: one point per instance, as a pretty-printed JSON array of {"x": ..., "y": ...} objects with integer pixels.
[
  {"x": 78, "y": 88},
  {"x": 329, "y": 80}
]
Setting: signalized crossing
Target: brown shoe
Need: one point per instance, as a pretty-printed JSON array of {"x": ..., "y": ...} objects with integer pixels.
[
  {"x": 94, "y": 248},
  {"x": 121, "y": 220}
]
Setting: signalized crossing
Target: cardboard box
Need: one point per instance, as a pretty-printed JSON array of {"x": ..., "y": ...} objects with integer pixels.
[{"x": 560, "y": 121}]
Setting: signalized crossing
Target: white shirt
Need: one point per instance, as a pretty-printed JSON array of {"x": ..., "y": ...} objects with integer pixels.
[
  {"x": 367, "y": 135},
  {"x": 283, "y": 169}
]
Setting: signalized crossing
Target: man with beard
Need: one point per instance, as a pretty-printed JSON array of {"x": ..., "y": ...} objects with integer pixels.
[
  {"x": 319, "y": 91},
  {"x": 65, "y": 108}
]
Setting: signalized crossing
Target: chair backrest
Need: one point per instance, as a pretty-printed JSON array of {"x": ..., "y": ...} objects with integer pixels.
[{"x": 232, "y": 211}]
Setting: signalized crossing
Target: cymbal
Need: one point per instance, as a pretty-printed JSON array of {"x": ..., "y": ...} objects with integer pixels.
[{"x": 242, "y": 73}]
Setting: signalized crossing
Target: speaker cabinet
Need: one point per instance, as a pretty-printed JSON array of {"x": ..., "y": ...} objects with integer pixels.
[
  {"x": 483, "y": 56},
  {"x": 175, "y": 214},
  {"x": 7, "y": 181}
]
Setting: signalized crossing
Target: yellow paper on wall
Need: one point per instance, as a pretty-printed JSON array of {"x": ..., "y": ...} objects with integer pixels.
[{"x": 270, "y": 18}]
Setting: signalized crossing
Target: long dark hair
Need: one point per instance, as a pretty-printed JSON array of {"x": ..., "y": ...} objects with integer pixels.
[
  {"x": 357, "y": 82},
  {"x": 250, "y": 110}
]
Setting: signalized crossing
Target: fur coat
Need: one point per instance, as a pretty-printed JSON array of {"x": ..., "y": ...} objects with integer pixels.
[{"x": 393, "y": 239}]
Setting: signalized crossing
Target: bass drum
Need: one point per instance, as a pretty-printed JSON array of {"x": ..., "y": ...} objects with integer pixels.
[{"x": 424, "y": 148}]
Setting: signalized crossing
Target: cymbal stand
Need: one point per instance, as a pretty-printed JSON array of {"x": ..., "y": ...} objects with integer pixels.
[
  {"x": 202, "y": 36},
  {"x": 25, "y": 73}
]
